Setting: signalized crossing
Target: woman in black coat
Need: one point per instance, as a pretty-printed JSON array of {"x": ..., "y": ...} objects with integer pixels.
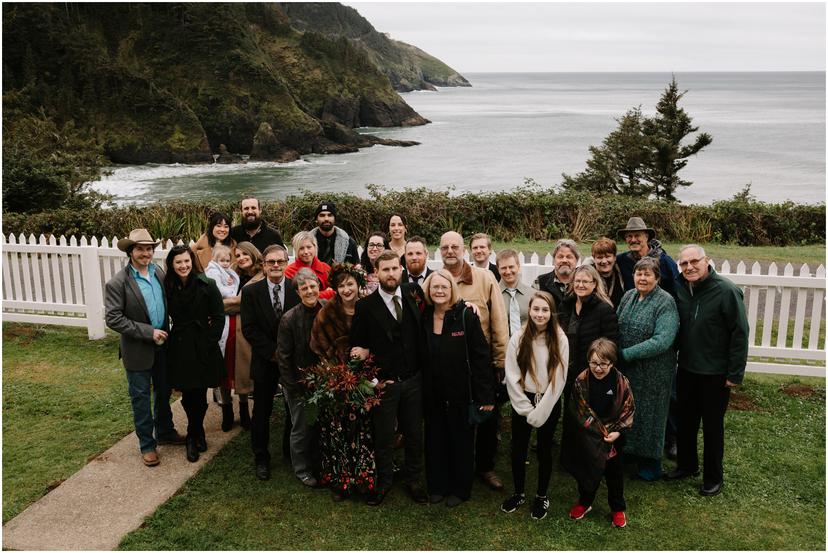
[
  {"x": 457, "y": 363},
  {"x": 585, "y": 315},
  {"x": 194, "y": 358}
]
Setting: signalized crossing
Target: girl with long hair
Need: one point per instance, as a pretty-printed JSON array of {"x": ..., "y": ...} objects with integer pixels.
[{"x": 537, "y": 359}]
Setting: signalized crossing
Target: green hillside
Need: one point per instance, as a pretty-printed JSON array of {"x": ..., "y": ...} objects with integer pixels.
[
  {"x": 174, "y": 82},
  {"x": 408, "y": 67}
]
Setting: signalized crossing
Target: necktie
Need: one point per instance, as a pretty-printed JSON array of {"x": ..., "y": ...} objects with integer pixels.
[
  {"x": 397, "y": 308},
  {"x": 277, "y": 303},
  {"x": 417, "y": 279},
  {"x": 514, "y": 312}
]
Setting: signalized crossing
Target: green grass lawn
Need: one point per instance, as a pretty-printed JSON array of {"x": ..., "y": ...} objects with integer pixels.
[
  {"x": 813, "y": 255},
  {"x": 774, "y": 498},
  {"x": 65, "y": 400}
]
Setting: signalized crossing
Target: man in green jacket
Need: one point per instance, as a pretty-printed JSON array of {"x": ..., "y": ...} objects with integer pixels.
[{"x": 712, "y": 344}]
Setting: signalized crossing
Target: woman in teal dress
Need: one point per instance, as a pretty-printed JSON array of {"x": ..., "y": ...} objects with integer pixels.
[{"x": 648, "y": 323}]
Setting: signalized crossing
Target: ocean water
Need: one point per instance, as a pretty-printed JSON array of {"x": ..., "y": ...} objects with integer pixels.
[{"x": 768, "y": 131}]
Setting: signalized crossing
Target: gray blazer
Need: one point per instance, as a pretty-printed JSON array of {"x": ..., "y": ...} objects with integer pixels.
[{"x": 127, "y": 314}]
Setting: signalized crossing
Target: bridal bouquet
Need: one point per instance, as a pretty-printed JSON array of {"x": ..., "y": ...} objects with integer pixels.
[{"x": 339, "y": 397}]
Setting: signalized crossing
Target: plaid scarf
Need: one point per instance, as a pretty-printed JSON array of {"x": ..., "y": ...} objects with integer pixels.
[{"x": 586, "y": 454}]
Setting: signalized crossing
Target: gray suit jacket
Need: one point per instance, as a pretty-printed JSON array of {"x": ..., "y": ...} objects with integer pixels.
[{"x": 127, "y": 314}]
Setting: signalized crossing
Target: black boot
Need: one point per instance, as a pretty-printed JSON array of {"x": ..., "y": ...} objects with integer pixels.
[
  {"x": 192, "y": 449},
  {"x": 201, "y": 440},
  {"x": 226, "y": 417},
  {"x": 244, "y": 415}
]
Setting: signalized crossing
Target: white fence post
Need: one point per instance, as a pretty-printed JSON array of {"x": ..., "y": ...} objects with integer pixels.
[{"x": 92, "y": 290}]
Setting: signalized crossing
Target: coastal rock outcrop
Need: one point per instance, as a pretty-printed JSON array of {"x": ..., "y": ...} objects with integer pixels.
[{"x": 172, "y": 82}]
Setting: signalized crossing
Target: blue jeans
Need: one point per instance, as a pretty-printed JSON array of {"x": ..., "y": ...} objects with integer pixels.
[{"x": 160, "y": 417}]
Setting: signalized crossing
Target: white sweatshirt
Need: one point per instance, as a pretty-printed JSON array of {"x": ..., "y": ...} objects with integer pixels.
[
  {"x": 227, "y": 282},
  {"x": 537, "y": 415}
]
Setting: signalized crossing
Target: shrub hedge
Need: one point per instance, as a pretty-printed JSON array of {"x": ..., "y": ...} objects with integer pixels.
[{"x": 526, "y": 212}]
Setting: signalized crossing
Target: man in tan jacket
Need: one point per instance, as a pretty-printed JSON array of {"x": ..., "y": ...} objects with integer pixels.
[{"x": 479, "y": 287}]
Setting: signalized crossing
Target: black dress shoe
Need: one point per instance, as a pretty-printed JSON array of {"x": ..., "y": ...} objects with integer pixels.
[
  {"x": 201, "y": 441},
  {"x": 192, "y": 449},
  {"x": 263, "y": 471},
  {"x": 711, "y": 489},
  {"x": 375, "y": 499},
  {"x": 417, "y": 492},
  {"x": 680, "y": 474}
]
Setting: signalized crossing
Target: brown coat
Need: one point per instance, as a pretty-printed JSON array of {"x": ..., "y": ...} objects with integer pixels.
[
  {"x": 331, "y": 331},
  {"x": 232, "y": 307},
  {"x": 204, "y": 251},
  {"x": 479, "y": 287}
]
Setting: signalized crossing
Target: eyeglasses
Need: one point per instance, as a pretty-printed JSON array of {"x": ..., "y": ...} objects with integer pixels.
[
  {"x": 604, "y": 366},
  {"x": 375, "y": 245},
  {"x": 454, "y": 248},
  {"x": 583, "y": 282},
  {"x": 272, "y": 262},
  {"x": 694, "y": 262}
]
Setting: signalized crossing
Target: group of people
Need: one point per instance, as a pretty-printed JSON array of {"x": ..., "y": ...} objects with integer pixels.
[{"x": 632, "y": 353}]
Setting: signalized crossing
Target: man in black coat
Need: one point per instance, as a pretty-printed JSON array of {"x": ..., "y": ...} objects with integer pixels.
[
  {"x": 416, "y": 261},
  {"x": 387, "y": 324},
  {"x": 262, "y": 306},
  {"x": 253, "y": 229}
]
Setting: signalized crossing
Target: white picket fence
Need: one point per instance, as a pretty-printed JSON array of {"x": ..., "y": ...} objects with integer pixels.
[{"x": 60, "y": 281}]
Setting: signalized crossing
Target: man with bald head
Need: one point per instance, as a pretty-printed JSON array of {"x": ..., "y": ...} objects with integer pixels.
[
  {"x": 713, "y": 347},
  {"x": 478, "y": 286}
]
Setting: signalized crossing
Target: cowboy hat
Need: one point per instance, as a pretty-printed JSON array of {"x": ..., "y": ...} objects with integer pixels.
[
  {"x": 137, "y": 236},
  {"x": 636, "y": 224}
]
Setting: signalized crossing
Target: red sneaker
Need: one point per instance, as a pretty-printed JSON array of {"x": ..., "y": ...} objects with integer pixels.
[
  {"x": 578, "y": 511},
  {"x": 619, "y": 519}
]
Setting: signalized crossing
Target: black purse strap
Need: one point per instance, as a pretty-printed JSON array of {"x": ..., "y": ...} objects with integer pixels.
[{"x": 466, "y": 343}]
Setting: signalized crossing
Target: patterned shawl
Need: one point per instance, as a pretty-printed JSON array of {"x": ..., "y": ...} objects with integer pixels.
[{"x": 587, "y": 453}]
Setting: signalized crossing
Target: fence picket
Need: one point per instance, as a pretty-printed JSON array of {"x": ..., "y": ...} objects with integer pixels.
[
  {"x": 799, "y": 319},
  {"x": 770, "y": 305},
  {"x": 725, "y": 267},
  {"x": 77, "y": 283},
  {"x": 25, "y": 265},
  {"x": 46, "y": 269},
  {"x": 816, "y": 312},
  {"x": 8, "y": 293},
  {"x": 753, "y": 305},
  {"x": 784, "y": 310}
]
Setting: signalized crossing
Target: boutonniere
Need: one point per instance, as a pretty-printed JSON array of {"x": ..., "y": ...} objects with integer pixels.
[{"x": 419, "y": 301}]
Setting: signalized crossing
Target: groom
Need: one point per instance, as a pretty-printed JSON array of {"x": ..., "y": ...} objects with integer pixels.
[{"x": 387, "y": 324}]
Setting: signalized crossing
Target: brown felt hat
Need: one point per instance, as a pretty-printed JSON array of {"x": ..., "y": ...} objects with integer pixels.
[
  {"x": 137, "y": 236},
  {"x": 636, "y": 224}
]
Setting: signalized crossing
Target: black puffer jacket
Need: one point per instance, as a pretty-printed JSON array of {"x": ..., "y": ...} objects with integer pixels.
[
  {"x": 596, "y": 320},
  {"x": 445, "y": 372}
]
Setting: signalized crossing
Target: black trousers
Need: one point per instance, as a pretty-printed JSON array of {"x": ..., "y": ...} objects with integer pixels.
[
  {"x": 521, "y": 430},
  {"x": 264, "y": 392},
  {"x": 194, "y": 402},
  {"x": 614, "y": 475},
  {"x": 401, "y": 408},
  {"x": 449, "y": 450},
  {"x": 702, "y": 399},
  {"x": 485, "y": 447}
]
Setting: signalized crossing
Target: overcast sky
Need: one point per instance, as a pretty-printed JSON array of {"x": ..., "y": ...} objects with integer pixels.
[{"x": 546, "y": 37}]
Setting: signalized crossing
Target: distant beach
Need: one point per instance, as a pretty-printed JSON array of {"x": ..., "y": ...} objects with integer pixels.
[{"x": 768, "y": 130}]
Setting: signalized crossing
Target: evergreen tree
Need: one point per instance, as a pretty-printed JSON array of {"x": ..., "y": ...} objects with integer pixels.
[
  {"x": 666, "y": 131},
  {"x": 643, "y": 155}
]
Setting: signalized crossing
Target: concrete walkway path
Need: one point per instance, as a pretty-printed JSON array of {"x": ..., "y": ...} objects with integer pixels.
[{"x": 113, "y": 494}]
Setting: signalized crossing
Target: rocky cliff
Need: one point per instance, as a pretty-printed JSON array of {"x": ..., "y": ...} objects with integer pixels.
[
  {"x": 407, "y": 67},
  {"x": 175, "y": 82}
]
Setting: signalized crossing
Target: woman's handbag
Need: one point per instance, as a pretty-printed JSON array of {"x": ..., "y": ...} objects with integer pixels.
[{"x": 476, "y": 416}]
